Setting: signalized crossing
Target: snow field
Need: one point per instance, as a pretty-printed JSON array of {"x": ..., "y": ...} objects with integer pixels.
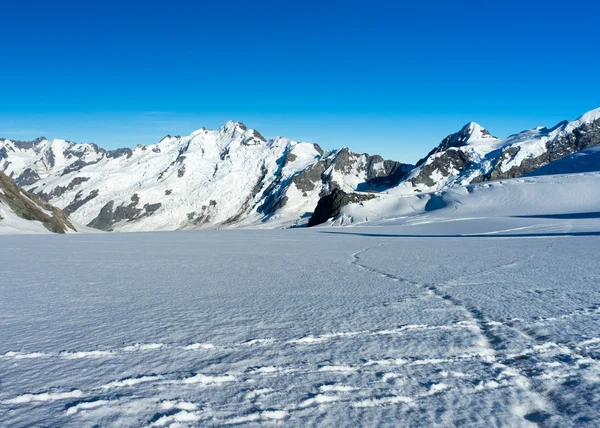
[{"x": 450, "y": 322}]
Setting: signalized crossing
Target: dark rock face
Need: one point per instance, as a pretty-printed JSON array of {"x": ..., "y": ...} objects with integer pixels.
[
  {"x": 151, "y": 208},
  {"x": 49, "y": 158},
  {"x": 381, "y": 174},
  {"x": 290, "y": 158},
  {"x": 306, "y": 180},
  {"x": 60, "y": 190},
  {"x": 205, "y": 214},
  {"x": 25, "y": 145},
  {"x": 107, "y": 217},
  {"x": 392, "y": 173},
  {"x": 104, "y": 219},
  {"x": 587, "y": 135},
  {"x": 272, "y": 195},
  {"x": 119, "y": 152},
  {"x": 76, "y": 166},
  {"x": 76, "y": 182},
  {"x": 27, "y": 206},
  {"x": 77, "y": 202},
  {"x": 344, "y": 160},
  {"x": 444, "y": 163},
  {"x": 330, "y": 206},
  {"x": 27, "y": 177},
  {"x": 254, "y": 139},
  {"x": 261, "y": 180}
]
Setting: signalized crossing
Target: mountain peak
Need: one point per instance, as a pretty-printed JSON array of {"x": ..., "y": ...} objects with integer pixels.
[
  {"x": 468, "y": 133},
  {"x": 475, "y": 131},
  {"x": 231, "y": 126}
]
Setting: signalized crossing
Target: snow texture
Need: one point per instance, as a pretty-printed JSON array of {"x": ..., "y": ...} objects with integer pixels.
[{"x": 487, "y": 314}]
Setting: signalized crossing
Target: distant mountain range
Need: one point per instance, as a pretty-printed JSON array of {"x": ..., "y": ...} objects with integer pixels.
[{"x": 234, "y": 177}]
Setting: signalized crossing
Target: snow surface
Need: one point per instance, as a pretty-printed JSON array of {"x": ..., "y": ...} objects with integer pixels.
[{"x": 477, "y": 316}]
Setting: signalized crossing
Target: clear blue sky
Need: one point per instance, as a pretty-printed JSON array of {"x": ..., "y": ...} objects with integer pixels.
[{"x": 378, "y": 76}]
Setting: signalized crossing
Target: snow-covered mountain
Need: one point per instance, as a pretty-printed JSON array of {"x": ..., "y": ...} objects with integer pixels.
[
  {"x": 229, "y": 177},
  {"x": 21, "y": 212},
  {"x": 235, "y": 177},
  {"x": 473, "y": 155}
]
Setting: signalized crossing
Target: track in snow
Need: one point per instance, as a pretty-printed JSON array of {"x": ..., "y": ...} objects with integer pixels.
[{"x": 193, "y": 328}]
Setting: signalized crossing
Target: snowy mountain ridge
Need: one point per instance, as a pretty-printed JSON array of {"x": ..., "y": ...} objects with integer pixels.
[
  {"x": 234, "y": 177},
  {"x": 223, "y": 178},
  {"x": 473, "y": 155}
]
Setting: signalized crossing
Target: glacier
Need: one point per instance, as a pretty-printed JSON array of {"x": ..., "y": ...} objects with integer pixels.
[{"x": 482, "y": 309}]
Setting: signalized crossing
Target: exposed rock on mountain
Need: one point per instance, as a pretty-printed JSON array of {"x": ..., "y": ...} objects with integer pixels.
[
  {"x": 229, "y": 177},
  {"x": 473, "y": 155},
  {"x": 18, "y": 208},
  {"x": 330, "y": 206},
  {"x": 235, "y": 177}
]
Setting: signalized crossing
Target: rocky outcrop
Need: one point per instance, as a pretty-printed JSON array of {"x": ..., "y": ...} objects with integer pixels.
[
  {"x": 445, "y": 163},
  {"x": 107, "y": 217},
  {"x": 60, "y": 190},
  {"x": 378, "y": 172},
  {"x": 79, "y": 202},
  {"x": 119, "y": 152},
  {"x": 29, "y": 207},
  {"x": 27, "y": 177},
  {"x": 563, "y": 145},
  {"x": 331, "y": 205}
]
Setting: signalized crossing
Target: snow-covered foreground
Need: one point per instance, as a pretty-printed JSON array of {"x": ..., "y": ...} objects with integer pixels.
[{"x": 396, "y": 325}]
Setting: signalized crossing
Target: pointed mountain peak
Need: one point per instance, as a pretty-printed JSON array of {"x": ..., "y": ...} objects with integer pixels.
[
  {"x": 470, "y": 132},
  {"x": 232, "y": 126},
  {"x": 473, "y": 130}
]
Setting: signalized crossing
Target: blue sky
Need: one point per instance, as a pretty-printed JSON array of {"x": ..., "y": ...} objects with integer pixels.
[{"x": 381, "y": 77}]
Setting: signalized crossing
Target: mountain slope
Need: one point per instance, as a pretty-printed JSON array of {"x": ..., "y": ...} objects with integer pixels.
[
  {"x": 23, "y": 212},
  {"x": 584, "y": 161},
  {"x": 229, "y": 177},
  {"x": 473, "y": 155}
]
